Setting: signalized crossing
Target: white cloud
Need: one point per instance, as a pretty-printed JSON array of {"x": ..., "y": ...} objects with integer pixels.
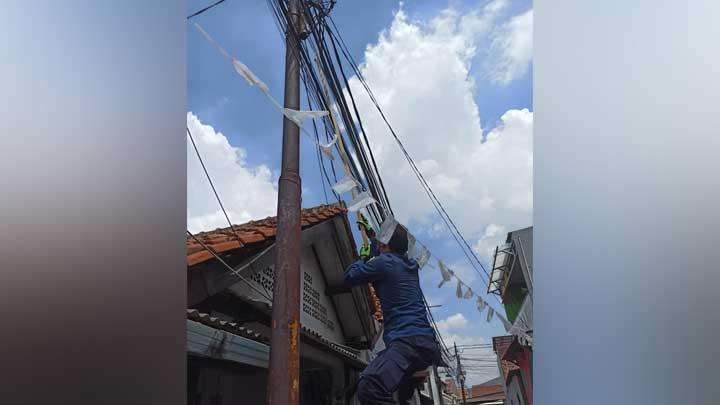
[
  {"x": 246, "y": 192},
  {"x": 420, "y": 75},
  {"x": 493, "y": 236},
  {"x": 483, "y": 366},
  {"x": 452, "y": 322},
  {"x": 512, "y": 48}
]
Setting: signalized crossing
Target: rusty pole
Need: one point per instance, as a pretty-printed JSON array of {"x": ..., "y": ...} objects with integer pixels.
[
  {"x": 284, "y": 375},
  {"x": 461, "y": 375}
]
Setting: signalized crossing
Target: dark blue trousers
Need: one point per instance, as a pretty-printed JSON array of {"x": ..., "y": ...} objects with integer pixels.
[{"x": 393, "y": 368}]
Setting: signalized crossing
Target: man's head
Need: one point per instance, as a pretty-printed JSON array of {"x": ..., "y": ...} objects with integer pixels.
[{"x": 398, "y": 242}]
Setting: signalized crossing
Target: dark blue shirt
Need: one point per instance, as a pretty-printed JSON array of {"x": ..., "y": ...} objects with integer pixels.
[{"x": 397, "y": 284}]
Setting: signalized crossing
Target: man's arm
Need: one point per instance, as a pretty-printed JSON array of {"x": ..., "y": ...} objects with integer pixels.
[{"x": 362, "y": 272}]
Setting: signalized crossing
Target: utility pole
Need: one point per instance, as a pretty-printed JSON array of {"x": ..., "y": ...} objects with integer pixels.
[
  {"x": 284, "y": 375},
  {"x": 461, "y": 375}
]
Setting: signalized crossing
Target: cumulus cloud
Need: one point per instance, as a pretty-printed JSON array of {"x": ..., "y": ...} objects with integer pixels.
[
  {"x": 419, "y": 73},
  {"x": 493, "y": 236},
  {"x": 247, "y": 192},
  {"x": 454, "y": 330},
  {"x": 512, "y": 48},
  {"x": 453, "y": 322}
]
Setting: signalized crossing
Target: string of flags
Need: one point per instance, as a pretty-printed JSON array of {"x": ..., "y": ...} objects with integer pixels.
[
  {"x": 463, "y": 291},
  {"x": 296, "y": 116},
  {"x": 362, "y": 200}
]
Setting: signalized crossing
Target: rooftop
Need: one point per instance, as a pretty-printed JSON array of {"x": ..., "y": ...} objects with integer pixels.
[
  {"x": 222, "y": 240},
  {"x": 500, "y": 346}
]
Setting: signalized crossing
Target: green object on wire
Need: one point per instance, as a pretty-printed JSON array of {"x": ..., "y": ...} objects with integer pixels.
[
  {"x": 365, "y": 251},
  {"x": 363, "y": 222}
]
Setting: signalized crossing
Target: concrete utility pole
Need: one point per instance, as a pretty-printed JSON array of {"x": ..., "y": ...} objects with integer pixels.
[
  {"x": 284, "y": 376},
  {"x": 461, "y": 375}
]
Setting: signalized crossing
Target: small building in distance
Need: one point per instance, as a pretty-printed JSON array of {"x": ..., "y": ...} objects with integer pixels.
[{"x": 490, "y": 392}]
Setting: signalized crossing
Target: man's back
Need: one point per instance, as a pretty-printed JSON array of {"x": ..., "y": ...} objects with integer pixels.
[{"x": 396, "y": 281}]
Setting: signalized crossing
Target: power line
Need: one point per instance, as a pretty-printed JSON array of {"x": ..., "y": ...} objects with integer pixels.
[
  {"x": 204, "y": 10},
  {"x": 233, "y": 271},
  {"x": 436, "y": 202},
  {"x": 232, "y": 227}
]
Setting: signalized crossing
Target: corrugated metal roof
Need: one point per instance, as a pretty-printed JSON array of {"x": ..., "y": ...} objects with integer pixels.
[
  {"x": 240, "y": 330},
  {"x": 232, "y": 327}
]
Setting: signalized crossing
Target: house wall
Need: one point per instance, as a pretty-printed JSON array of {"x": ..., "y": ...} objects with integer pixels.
[
  {"x": 526, "y": 373},
  {"x": 218, "y": 382},
  {"x": 215, "y": 382},
  {"x": 515, "y": 394}
]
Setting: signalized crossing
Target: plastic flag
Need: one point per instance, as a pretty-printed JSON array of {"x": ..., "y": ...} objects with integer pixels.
[
  {"x": 387, "y": 228},
  {"x": 345, "y": 185},
  {"x": 480, "y": 304},
  {"x": 468, "y": 294},
  {"x": 298, "y": 116},
  {"x": 446, "y": 274},
  {"x": 459, "y": 292},
  {"x": 327, "y": 148},
  {"x": 490, "y": 314},
  {"x": 361, "y": 201},
  {"x": 422, "y": 257},
  {"x": 249, "y": 76}
]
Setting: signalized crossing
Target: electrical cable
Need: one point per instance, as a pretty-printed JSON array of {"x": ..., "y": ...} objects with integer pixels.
[
  {"x": 233, "y": 271},
  {"x": 212, "y": 185},
  {"x": 204, "y": 10}
]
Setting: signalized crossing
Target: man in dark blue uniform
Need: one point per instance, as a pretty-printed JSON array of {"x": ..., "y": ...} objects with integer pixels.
[{"x": 409, "y": 339}]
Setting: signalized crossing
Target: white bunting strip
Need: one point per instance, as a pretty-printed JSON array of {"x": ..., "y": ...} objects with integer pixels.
[
  {"x": 295, "y": 116},
  {"x": 387, "y": 229},
  {"x": 212, "y": 41},
  {"x": 423, "y": 257},
  {"x": 344, "y": 185},
  {"x": 361, "y": 201},
  {"x": 298, "y": 116},
  {"x": 327, "y": 148},
  {"x": 249, "y": 76},
  {"x": 490, "y": 314}
]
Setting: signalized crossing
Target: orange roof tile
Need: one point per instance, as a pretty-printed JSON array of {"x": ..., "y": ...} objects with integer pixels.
[{"x": 224, "y": 239}]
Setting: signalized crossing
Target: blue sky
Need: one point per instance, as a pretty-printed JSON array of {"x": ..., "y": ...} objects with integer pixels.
[{"x": 456, "y": 77}]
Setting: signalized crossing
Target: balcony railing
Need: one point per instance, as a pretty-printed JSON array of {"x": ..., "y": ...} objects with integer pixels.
[{"x": 503, "y": 261}]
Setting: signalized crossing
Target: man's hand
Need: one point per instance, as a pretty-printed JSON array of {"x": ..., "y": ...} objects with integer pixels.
[
  {"x": 363, "y": 224},
  {"x": 365, "y": 252}
]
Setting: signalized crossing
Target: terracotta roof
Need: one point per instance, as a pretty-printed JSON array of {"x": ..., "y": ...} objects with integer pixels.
[
  {"x": 224, "y": 239},
  {"x": 487, "y": 392}
]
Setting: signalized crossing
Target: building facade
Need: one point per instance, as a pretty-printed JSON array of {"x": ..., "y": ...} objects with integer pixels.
[
  {"x": 229, "y": 312},
  {"x": 512, "y": 280}
]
